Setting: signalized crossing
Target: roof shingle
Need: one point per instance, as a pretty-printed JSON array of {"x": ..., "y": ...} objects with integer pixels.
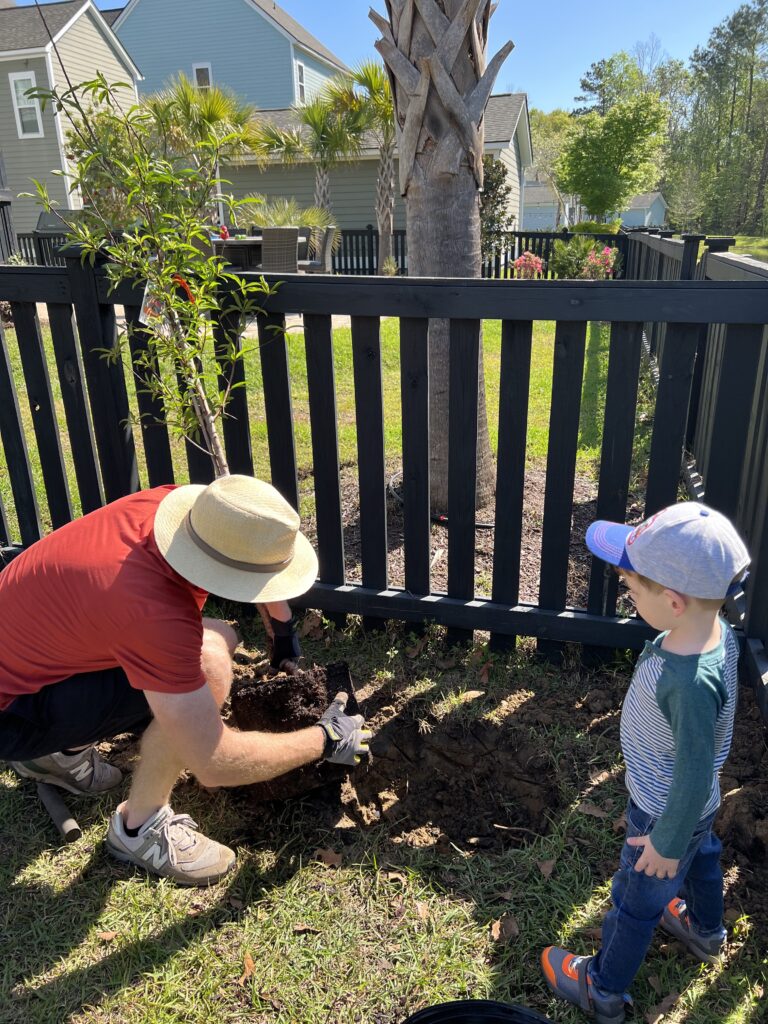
[{"x": 23, "y": 28}]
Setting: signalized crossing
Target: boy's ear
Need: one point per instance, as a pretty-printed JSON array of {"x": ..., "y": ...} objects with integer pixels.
[{"x": 677, "y": 602}]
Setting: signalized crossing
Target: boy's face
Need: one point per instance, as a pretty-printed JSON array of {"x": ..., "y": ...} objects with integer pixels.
[{"x": 659, "y": 608}]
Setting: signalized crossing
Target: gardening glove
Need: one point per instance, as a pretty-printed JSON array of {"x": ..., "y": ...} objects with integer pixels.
[
  {"x": 346, "y": 741},
  {"x": 286, "y": 649}
]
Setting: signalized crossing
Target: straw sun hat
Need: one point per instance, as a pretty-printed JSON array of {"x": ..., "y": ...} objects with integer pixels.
[{"x": 237, "y": 538}]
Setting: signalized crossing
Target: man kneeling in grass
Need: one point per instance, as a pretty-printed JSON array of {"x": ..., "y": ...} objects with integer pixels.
[{"x": 102, "y": 632}]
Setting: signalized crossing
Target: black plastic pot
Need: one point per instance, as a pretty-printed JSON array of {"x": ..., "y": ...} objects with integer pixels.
[{"x": 476, "y": 1011}]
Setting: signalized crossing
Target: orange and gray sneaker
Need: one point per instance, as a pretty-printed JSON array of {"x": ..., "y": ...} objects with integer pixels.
[
  {"x": 567, "y": 976},
  {"x": 676, "y": 921},
  {"x": 84, "y": 772},
  {"x": 169, "y": 845}
]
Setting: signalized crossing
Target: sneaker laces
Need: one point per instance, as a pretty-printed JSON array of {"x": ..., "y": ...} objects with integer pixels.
[{"x": 179, "y": 831}]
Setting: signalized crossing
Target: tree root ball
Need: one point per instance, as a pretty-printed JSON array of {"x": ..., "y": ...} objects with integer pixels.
[{"x": 284, "y": 704}]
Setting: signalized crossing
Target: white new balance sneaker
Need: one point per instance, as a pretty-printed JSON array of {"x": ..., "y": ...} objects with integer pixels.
[
  {"x": 84, "y": 772},
  {"x": 170, "y": 846}
]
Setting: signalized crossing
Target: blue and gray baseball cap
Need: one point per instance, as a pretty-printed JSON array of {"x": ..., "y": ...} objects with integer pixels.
[{"x": 687, "y": 547}]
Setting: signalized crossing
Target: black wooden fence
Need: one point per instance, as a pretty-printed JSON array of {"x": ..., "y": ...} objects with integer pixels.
[
  {"x": 103, "y": 445},
  {"x": 7, "y": 246}
]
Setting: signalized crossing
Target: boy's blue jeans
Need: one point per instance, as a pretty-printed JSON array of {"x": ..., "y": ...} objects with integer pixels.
[{"x": 638, "y": 900}]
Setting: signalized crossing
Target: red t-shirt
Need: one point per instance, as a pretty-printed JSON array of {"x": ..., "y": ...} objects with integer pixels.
[{"x": 97, "y": 594}]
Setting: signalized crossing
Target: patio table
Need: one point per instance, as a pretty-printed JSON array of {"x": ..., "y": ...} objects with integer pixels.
[{"x": 240, "y": 252}]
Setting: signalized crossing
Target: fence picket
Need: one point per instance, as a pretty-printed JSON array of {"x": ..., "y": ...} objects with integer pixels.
[
  {"x": 318, "y": 343},
  {"x": 570, "y": 343},
  {"x": 616, "y": 452},
  {"x": 369, "y": 416},
  {"x": 414, "y": 389},
  {"x": 514, "y": 384},
  {"x": 154, "y": 431},
  {"x": 236, "y": 427},
  {"x": 278, "y": 406},
  {"x": 464, "y": 371},
  {"x": 670, "y": 418},
  {"x": 16, "y": 454}
]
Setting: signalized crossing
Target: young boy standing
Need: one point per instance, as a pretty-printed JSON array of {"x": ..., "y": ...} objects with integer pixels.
[{"x": 676, "y": 728}]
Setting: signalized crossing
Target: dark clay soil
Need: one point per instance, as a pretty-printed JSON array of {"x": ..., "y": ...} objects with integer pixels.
[{"x": 283, "y": 704}]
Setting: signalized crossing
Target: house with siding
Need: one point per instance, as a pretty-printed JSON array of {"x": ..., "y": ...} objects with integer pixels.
[
  {"x": 252, "y": 47},
  {"x": 541, "y": 211},
  {"x": 353, "y": 183},
  {"x": 35, "y": 52}
]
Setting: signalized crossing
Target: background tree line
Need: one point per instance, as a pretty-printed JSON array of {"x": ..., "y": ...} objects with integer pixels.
[{"x": 698, "y": 131}]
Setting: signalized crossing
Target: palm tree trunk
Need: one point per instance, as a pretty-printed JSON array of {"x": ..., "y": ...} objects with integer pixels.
[
  {"x": 435, "y": 52},
  {"x": 385, "y": 202},
  {"x": 323, "y": 188}
]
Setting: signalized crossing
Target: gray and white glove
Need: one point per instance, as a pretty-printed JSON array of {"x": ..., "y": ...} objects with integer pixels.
[{"x": 346, "y": 739}]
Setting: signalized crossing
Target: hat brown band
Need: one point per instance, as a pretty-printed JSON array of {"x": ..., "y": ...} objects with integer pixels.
[{"x": 233, "y": 563}]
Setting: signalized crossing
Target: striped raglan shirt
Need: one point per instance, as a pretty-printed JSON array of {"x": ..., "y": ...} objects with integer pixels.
[{"x": 676, "y": 729}]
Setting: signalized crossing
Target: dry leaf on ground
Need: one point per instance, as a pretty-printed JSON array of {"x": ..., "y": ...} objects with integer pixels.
[
  {"x": 275, "y": 1003},
  {"x": 505, "y": 929},
  {"x": 546, "y": 867},
  {"x": 312, "y": 626},
  {"x": 305, "y": 929},
  {"x": 620, "y": 824},
  {"x": 655, "y": 1015},
  {"x": 106, "y": 936},
  {"x": 395, "y": 876},
  {"x": 248, "y": 968},
  {"x": 328, "y": 858},
  {"x": 422, "y": 910},
  {"x": 587, "y": 807},
  {"x": 485, "y": 671},
  {"x": 415, "y": 650}
]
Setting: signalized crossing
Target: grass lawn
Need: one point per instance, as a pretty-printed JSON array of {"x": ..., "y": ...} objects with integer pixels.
[
  {"x": 538, "y": 424},
  {"x": 752, "y": 245},
  {"x": 398, "y": 925}
]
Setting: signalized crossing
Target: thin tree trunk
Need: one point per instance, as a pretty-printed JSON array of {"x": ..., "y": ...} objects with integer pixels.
[
  {"x": 385, "y": 202},
  {"x": 754, "y": 225}
]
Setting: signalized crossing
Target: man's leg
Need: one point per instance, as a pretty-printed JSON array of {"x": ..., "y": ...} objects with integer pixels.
[
  {"x": 144, "y": 830},
  {"x": 159, "y": 766}
]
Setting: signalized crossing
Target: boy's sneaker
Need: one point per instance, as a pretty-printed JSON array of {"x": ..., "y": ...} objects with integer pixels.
[
  {"x": 84, "y": 772},
  {"x": 568, "y": 977},
  {"x": 676, "y": 922},
  {"x": 170, "y": 846}
]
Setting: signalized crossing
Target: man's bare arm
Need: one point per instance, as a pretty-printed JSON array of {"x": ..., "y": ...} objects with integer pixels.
[{"x": 220, "y": 756}]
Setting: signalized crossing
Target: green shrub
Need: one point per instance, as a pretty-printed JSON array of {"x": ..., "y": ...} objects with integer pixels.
[
  {"x": 596, "y": 227},
  {"x": 568, "y": 259}
]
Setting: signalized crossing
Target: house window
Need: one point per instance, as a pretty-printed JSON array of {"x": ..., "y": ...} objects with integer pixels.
[
  {"x": 29, "y": 121},
  {"x": 202, "y": 75},
  {"x": 301, "y": 91}
]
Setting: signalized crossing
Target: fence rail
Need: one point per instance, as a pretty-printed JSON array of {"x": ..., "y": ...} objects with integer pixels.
[{"x": 104, "y": 451}]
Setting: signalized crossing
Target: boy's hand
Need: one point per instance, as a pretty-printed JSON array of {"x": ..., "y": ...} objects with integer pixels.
[{"x": 651, "y": 862}]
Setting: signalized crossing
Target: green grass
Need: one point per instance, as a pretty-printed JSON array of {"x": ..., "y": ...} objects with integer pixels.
[
  {"x": 85, "y": 940},
  {"x": 590, "y": 429},
  {"x": 752, "y": 245}
]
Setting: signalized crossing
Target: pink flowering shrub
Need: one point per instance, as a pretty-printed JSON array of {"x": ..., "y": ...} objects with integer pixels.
[
  {"x": 601, "y": 263},
  {"x": 528, "y": 266}
]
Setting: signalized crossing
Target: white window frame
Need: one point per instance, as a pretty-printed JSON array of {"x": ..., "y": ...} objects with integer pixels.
[
  {"x": 196, "y": 68},
  {"x": 13, "y": 77},
  {"x": 301, "y": 83}
]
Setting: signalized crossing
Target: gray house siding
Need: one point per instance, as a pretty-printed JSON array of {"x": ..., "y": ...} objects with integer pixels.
[
  {"x": 26, "y": 159},
  {"x": 353, "y": 189},
  {"x": 316, "y": 74},
  {"x": 653, "y": 217},
  {"x": 246, "y": 53},
  {"x": 85, "y": 50},
  {"x": 510, "y": 157}
]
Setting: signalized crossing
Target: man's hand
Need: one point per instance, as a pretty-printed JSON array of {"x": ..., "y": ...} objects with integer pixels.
[
  {"x": 286, "y": 650},
  {"x": 651, "y": 862},
  {"x": 346, "y": 739}
]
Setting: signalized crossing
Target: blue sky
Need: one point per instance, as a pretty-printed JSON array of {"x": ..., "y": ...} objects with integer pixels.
[{"x": 555, "y": 40}]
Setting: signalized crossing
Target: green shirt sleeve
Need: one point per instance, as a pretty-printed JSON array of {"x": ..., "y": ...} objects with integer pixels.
[{"x": 690, "y": 698}]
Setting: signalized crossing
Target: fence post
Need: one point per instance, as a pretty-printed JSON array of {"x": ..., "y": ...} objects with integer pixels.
[
  {"x": 107, "y": 392},
  {"x": 690, "y": 256}
]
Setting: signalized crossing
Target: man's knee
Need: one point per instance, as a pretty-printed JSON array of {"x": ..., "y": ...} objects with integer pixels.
[{"x": 216, "y": 633}]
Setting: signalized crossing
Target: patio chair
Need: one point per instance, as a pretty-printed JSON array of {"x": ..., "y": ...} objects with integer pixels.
[
  {"x": 280, "y": 250},
  {"x": 304, "y": 236},
  {"x": 323, "y": 264}
]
